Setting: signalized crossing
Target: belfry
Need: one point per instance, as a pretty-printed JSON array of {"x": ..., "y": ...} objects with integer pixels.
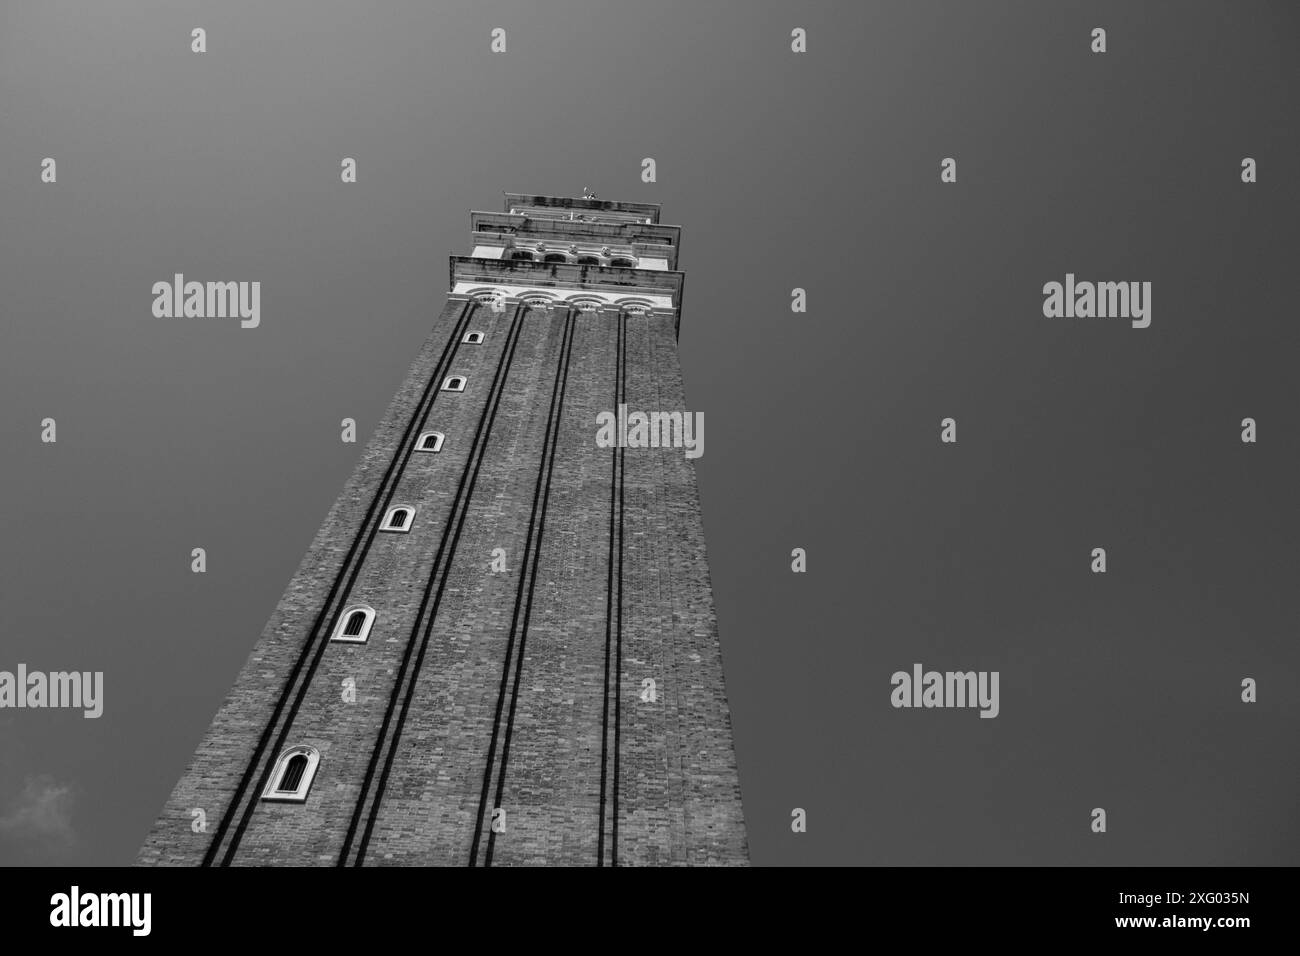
[{"x": 501, "y": 647}]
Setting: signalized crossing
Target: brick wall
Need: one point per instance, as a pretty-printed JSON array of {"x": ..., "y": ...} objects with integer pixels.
[{"x": 677, "y": 790}]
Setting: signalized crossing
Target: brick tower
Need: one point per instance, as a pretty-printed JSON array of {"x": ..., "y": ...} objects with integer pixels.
[{"x": 501, "y": 647}]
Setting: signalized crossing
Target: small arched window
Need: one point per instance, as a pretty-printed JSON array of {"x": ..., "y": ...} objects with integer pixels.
[
  {"x": 354, "y": 624},
  {"x": 622, "y": 262},
  {"x": 555, "y": 257},
  {"x": 294, "y": 769},
  {"x": 398, "y": 519},
  {"x": 473, "y": 338},
  {"x": 292, "y": 775},
  {"x": 430, "y": 441},
  {"x": 521, "y": 255},
  {"x": 588, "y": 261},
  {"x": 454, "y": 383}
]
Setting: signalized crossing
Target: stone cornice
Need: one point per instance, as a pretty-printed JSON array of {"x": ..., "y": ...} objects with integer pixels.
[{"x": 642, "y": 210}]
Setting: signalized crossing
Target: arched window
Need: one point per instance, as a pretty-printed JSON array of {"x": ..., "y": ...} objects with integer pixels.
[
  {"x": 588, "y": 261},
  {"x": 354, "y": 624},
  {"x": 555, "y": 257},
  {"x": 294, "y": 769},
  {"x": 622, "y": 262},
  {"x": 430, "y": 441},
  {"x": 473, "y": 338},
  {"x": 454, "y": 383},
  {"x": 292, "y": 776},
  {"x": 521, "y": 255},
  {"x": 398, "y": 519}
]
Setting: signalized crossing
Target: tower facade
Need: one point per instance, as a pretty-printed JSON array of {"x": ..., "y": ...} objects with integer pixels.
[{"x": 501, "y": 647}]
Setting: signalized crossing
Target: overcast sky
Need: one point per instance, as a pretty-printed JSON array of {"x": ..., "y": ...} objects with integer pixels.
[{"x": 817, "y": 170}]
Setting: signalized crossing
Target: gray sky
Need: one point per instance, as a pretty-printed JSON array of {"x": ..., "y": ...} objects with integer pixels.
[{"x": 818, "y": 170}]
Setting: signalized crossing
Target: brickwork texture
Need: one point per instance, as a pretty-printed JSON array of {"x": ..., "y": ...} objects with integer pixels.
[{"x": 497, "y": 717}]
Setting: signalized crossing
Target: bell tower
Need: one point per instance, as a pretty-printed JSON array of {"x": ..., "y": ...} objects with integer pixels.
[{"x": 501, "y": 647}]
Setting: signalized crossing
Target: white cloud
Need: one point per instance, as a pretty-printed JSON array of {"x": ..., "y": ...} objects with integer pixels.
[{"x": 37, "y": 822}]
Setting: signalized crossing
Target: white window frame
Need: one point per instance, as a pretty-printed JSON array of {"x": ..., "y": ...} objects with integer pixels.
[
  {"x": 387, "y": 523},
  {"x": 473, "y": 338},
  {"x": 304, "y": 785},
  {"x": 437, "y": 447},
  {"x": 343, "y": 623},
  {"x": 447, "y": 386}
]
